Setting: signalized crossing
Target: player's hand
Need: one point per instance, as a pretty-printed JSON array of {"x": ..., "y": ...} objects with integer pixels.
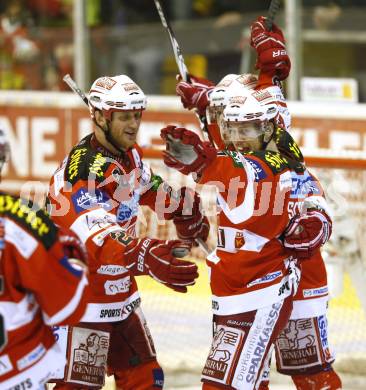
[
  {"x": 153, "y": 257},
  {"x": 72, "y": 245},
  {"x": 185, "y": 151},
  {"x": 194, "y": 94},
  {"x": 272, "y": 57},
  {"x": 307, "y": 233},
  {"x": 189, "y": 220}
]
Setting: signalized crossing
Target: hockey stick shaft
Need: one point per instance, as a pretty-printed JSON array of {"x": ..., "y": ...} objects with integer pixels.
[
  {"x": 272, "y": 12},
  {"x": 183, "y": 70},
  {"x": 74, "y": 87}
]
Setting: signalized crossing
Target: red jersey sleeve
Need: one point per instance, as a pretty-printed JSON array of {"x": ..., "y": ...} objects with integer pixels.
[{"x": 60, "y": 289}]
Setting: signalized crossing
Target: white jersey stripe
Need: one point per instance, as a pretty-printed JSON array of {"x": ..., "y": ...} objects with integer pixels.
[{"x": 70, "y": 307}]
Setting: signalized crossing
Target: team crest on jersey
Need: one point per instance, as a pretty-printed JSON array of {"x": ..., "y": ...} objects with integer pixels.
[{"x": 239, "y": 240}]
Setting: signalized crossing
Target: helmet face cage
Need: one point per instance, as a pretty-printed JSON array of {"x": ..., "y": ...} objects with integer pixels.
[
  {"x": 246, "y": 118},
  {"x": 214, "y": 114},
  {"x": 117, "y": 93},
  {"x": 235, "y": 133}
]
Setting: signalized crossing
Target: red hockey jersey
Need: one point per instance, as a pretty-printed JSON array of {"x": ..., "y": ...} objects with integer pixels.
[
  {"x": 39, "y": 288},
  {"x": 258, "y": 194},
  {"x": 97, "y": 195}
]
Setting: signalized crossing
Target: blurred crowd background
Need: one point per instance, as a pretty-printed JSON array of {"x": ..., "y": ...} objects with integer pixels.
[{"x": 126, "y": 36}]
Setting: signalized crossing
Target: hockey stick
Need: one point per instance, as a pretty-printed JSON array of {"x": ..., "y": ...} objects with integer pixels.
[
  {"x": 183, "y": 71},
  {"x": 272, "y": 12},
  {"x": 74, "y": 87}
]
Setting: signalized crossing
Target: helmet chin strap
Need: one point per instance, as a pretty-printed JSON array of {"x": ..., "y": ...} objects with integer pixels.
[{"x": 265, "y": 143}]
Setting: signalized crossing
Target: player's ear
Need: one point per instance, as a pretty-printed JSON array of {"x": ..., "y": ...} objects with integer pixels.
[
  {"x": 99, "y": 118},
  {"x": 268, "y": 132}
]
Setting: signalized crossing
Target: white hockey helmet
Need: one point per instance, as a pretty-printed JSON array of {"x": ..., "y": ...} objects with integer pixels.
[
  {"x": 248, "y": 107},
  {"x": 246, "y": 117},
  {"x": 248, "y": 80},
  {"x": 117, "y": 93},
  {"x": 218, "y": 94}
]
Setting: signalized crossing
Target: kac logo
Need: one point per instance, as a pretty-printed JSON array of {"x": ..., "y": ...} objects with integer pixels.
[{"x": 85, "y": 200}]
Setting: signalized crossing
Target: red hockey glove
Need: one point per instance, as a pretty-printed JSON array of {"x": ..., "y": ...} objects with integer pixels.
[
  {"x": 72, "y": 245},
  {"x": 307, "y": 233},
  {"x": 271, "y": 50},
  {"x": 153, "y": 257},
  {"x": 189, "y": 221},
  {"x": 185, "y": 151},
  {"x": 194, "y": 94}
]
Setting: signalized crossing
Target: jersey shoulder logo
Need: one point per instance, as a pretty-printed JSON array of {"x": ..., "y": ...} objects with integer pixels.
[
  {"x": 257, "y": 166},
  {"x": 86, "y": 163},
  {"x": 33, "y": 219},
  {"x": 234, "y": 156},
  {"x": 274, "y": 160}
]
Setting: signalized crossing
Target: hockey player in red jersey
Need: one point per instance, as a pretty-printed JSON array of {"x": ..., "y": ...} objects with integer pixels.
[
  {"x": 252, "y": 277},
  {"x": 308, "y": 319},
  {"x": 40, "y": 287},
  {"x": 97, "y": 192}
]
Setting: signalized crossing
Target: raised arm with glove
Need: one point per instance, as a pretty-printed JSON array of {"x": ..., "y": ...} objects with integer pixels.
[
  {"x": 185, "y": 151},
  {"x": 194, "y": 94},
  {"x": 272, "y": 57}
]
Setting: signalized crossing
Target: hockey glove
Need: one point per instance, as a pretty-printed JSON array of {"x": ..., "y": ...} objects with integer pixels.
[
  {"x": 272, "y": 57},
  {"x": 194, "y": 94},
  {"x": 72, "y": 245},
  {"x": 153, "y": 257},
  {"x": 307, "y": 233},
  {"x": 185, "y": 151},
  {"x": 189, "y": 221}
]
